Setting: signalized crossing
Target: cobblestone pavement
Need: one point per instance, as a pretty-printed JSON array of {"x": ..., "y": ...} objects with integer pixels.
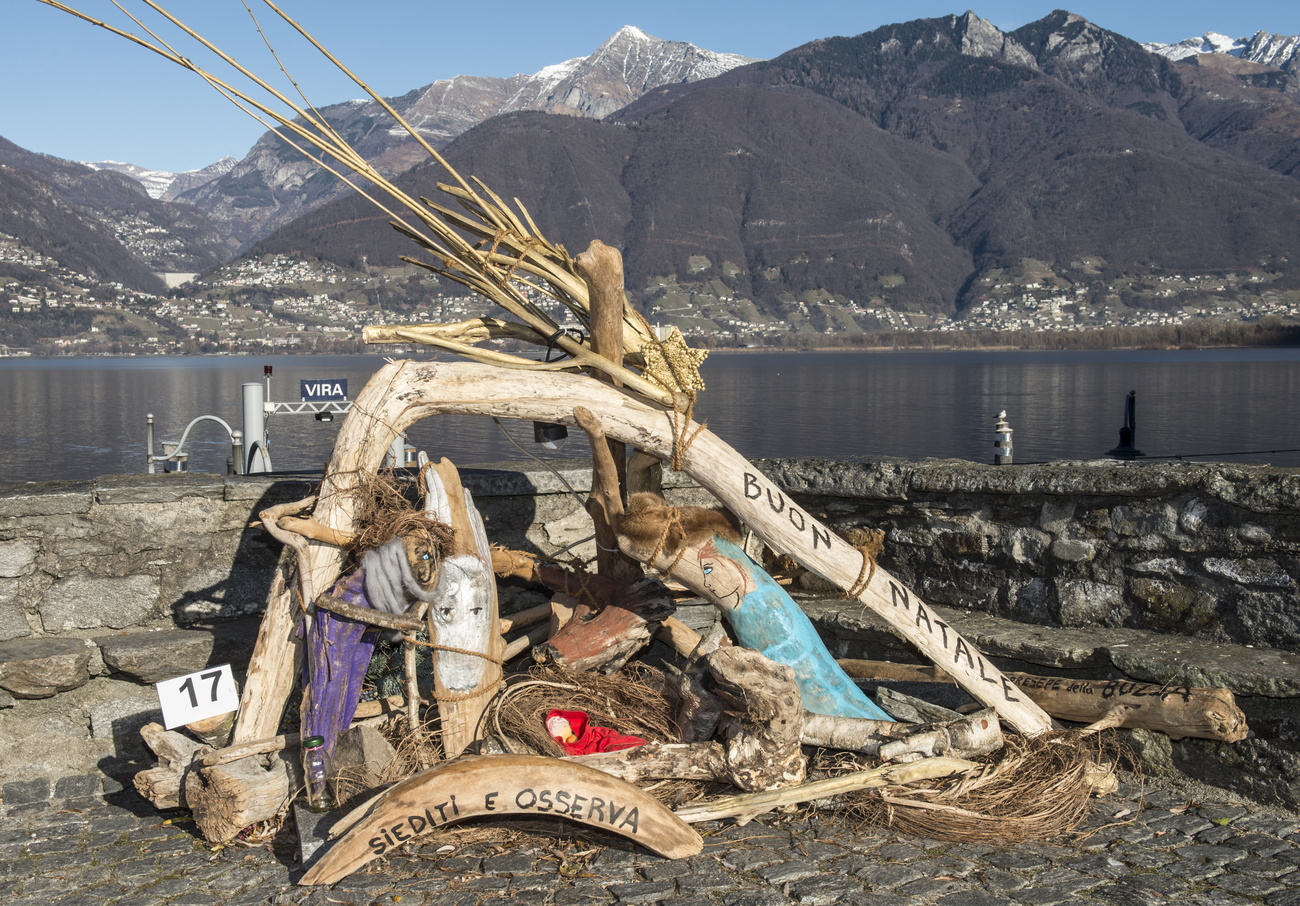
[{"x": 1193, "y": 847}]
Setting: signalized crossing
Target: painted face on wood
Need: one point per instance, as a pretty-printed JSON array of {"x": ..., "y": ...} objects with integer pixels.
[
  {"x": 724, "y": 578},
  {"x": 423, "y": 559},
  {"x": 462, "y": 616}
]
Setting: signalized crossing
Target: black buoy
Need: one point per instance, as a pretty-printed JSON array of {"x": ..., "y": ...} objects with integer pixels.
[{"x": 1127, "y": 448}]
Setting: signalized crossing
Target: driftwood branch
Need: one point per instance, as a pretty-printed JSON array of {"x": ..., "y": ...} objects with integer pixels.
[
  {"x": 164, "y": 785},
  {"x": 750, "y": 804},
  {"x": 370, "y": 616},
  {"x": 1178, "y": 711}
]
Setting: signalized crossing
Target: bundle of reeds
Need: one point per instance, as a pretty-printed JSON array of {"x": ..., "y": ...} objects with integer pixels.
[{"x": 476, "y": 240}]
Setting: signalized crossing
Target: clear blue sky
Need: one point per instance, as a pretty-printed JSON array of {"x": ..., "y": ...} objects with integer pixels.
[{"x": 76, "y": 92}]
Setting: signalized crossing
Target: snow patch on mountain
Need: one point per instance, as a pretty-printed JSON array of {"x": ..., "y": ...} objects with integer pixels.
[
  {"x": 1262, "y": 47},
  {"x": 165, "y": 184}
]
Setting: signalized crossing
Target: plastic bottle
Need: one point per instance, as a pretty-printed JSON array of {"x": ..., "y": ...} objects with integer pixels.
[{"x": 316, "y": 771}]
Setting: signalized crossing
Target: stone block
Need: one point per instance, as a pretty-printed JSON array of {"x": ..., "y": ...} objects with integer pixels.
[
  {"x": 46, "y": 498},
  {"x": 120, "y": 719},
  {"x": 1174, "y": 607},
  {"x": 26, "y": 792},
  {"x": 153, "y": 656},
  {"x": 361, "y": 755},
  {"x": 13, "y": 622},
  {"x": 1087, "y": 603},
  {"x": 42, "y": 667},
  {"x": 224, "y": 592},
  {"x": 88, "y": 602},
  {"x": 17, "y": 558},
  {"x": 159, "y": 488},
  {"x": 1250, "y": 572},
  {"x": 1072, "y": 550}
]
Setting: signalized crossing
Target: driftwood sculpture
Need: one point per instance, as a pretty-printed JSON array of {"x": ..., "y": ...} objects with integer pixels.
[
  {"x": 502, "y": 785},
  {"x": 463, "y": 624}
]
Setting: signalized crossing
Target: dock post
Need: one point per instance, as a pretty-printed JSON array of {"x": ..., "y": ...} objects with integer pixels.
[{"x": 1002, "y": 452}]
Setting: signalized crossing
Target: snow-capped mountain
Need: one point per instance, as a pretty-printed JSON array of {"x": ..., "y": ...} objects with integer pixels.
[
  {"x": 1265, "y": 48},
  {"x": 163, "y": 184},
  {"x": 272, "y": 185}
]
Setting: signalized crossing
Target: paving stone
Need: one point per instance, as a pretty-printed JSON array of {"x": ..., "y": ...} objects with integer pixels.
[
  {"x": 900, "y": 852},
  {"x": 759, "y": 898},
  {"x": 643, "y": 891},
  {"x": 784, "y": 872},
  {"x": 509, "y": 863},
  {"x": 1139, "y": 858},
  {"x": 1192, "y": 871},
  {"x": 668, "y": 868},
  {"x": 999, "y": 881},
  {"x": 699, "y": 884},
  {"x": 890, "y": 875},
  {"x": 747, "y": 859},
  {"x": 1048, "y": 895},
  {"x": 974, "y": 898},
  {"x": 823, "y": 890},
  {"x": 1263, "y": 867},
  {"x": 484, "y": 885},
  {"x": 582, "y": 893},
  {"x": 1257, "y": 844},
  {"x": 26, "y": 792},
  {"x": 1018, "y": 859},
  {"x": 1213, "y": 855},
  {"x": 1245, "y": 885}
]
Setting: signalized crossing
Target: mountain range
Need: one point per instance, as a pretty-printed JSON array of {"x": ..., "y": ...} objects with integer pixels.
[
  {"x": 900, "y": 167},
  {"x": 273, "y": 184},
  {"x": 905, "y": 167}
]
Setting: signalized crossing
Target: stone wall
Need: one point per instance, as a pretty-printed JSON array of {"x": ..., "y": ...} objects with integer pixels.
[
  {"x": 1205, "y": 550},
  {"x": 113, "y": 580}
]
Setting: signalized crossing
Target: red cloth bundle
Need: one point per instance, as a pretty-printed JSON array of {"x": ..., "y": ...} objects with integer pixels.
[{"x": 587, "y": 739}]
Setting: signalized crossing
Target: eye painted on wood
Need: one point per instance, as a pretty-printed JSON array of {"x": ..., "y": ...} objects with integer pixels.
[{"x": 423, "y": 559}]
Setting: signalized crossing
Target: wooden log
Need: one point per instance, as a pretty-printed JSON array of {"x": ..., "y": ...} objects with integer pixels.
[
  {"x": 850, "y": 734},
  {"x": 266, "y": 746},
  {"x": 763, "y": 730},
  {"x": 226, "y": 798},
  {"x": 402, "y": 393},
  {"x": 748, "y": 805},
  {"x": 971, "y": 736},
  {"x": 164, "y": 785},
  {"x": 603, "y": 637},
  {"x": 524, "y": 617},
  {"x": 463, "y": 621},
  {"x": 1178, "y": 711},
  {"x": 601, "y": 267},
  {"x": 277, "y": 655},
  {"x": 503, "y": 785},
  {"x": 529, "y": 639},
  {"x": 661, "y": 761}
]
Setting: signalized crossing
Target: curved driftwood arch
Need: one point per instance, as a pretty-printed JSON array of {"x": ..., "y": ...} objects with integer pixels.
[
  {"x": 496, "y": 785},
  {"x": 405, "y": 392}
]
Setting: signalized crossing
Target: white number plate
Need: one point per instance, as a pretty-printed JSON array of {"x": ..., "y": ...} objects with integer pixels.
[{"x": 206, "y": 693}]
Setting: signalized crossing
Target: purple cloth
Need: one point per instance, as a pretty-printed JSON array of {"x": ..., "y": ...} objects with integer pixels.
[{"x": 334, "y": 668}]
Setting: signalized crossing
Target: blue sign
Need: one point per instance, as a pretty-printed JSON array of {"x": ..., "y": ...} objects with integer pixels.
[{"x": 324, "y": 390}]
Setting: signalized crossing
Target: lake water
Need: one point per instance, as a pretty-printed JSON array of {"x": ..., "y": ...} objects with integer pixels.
[{"x": 72, "y": 418}]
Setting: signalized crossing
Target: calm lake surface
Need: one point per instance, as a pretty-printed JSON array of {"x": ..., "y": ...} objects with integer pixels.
[{"x": 72, "y": 418}]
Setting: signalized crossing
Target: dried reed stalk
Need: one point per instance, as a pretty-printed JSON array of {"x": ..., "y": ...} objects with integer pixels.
[
  {"x": 485, "y": 245},
  {"x": 1033, "y": 789}
]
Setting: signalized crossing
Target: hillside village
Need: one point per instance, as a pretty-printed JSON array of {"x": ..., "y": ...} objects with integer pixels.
[{"x": 293, "y": 304}]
